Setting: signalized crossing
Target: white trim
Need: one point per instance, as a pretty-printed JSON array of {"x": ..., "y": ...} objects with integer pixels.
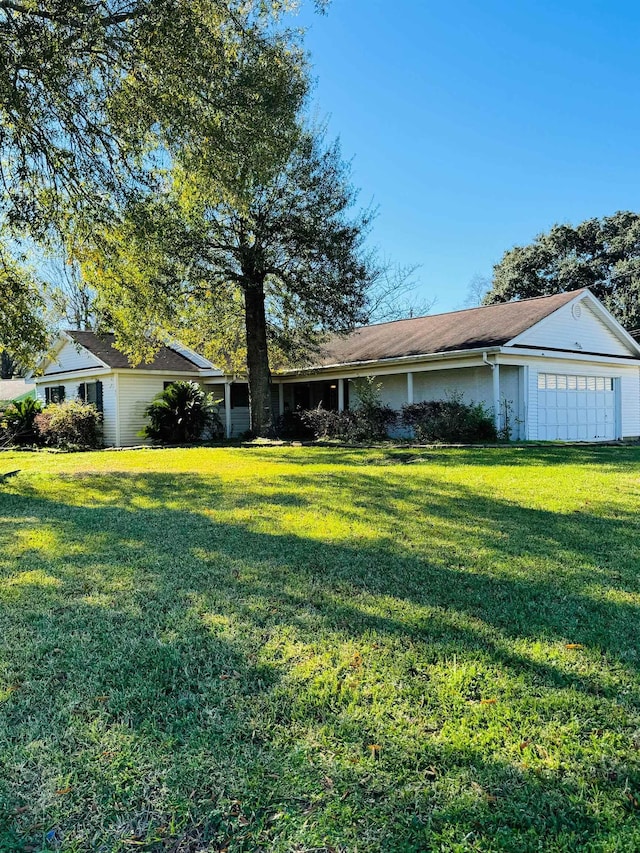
[
  {"x": 116, "y": 391},
  {"x": 409, "y": 387},
  {"x": 601, "y": 311},
  {"x": 227, "y": 408},
  {"x": 496, "y": 395},
  {"x": 67, "y": 375},
  {"x": 64, "y": 338},
  {"x": 569, "y": 355},
  {"x": 363, "y": 366}
]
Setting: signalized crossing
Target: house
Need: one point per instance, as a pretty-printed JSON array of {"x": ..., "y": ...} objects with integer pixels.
[{"x": 552, "y": 368}]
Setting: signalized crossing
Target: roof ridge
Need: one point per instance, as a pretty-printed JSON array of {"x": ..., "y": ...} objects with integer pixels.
[{"x": 475, "y": 308}]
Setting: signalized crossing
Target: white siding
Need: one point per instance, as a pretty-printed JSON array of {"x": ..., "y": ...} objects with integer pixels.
[
  {"x": 629, "y": 390},
  {"x": 72, "y": 357},
  {"x": 474, "y": 384},
  {"x": 240, "y": 421},
  {"x": 71, "y": 393},
  {"x": 135, "y": 391},
  {"x": 563, "y": 331}
]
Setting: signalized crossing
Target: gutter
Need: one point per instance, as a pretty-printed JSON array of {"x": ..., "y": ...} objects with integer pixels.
[{"x": 386, "y": 362}]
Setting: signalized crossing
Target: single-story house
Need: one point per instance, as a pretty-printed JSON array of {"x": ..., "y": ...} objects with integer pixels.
[{"x": 555, "y": 368}]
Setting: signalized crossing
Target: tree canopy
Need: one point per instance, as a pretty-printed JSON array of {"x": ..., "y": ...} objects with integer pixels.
[
  {"x": 282, "y": 265},
  {"x": 90, "y": 89},
  {"x": 22, "y": 328},
  {"x": 601, "y": 254}
]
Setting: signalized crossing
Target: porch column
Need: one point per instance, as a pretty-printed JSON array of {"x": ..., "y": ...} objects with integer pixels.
[
  {"x": 341, "y": 395},
  {"x": 409, "y": 387},
  {"x": 495, "y": 373},
  {"x": 227, "y": 408},
  {"x": 281, "y": 398}
]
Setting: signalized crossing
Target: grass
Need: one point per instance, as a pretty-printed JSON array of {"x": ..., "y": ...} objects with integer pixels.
[{"x": 302, "y": 649}]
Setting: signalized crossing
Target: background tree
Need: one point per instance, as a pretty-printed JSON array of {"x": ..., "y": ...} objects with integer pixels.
[
  {"x": 477, "y": 289},
  {"x": 602, "y": 254},
  {"x": 22, "y": 327},
  {"x": 289, "y": 260},
  {"x": 392, "y": 294}
]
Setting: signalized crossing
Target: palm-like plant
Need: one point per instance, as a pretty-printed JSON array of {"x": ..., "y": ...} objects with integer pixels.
[
  {"x": 181, "y": 414},
  {"x": 19, "y": 419}
]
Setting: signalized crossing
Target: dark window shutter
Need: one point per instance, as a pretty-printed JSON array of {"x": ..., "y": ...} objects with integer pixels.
[
  {"x": 99, "y": 396},
  {"x": 61, "y": 393},
  {"x": 47, "y": 396},
  {"x": 82, "y": 392}
]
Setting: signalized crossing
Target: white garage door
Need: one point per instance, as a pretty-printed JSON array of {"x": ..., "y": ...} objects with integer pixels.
[{"x": 576, "y": 408}]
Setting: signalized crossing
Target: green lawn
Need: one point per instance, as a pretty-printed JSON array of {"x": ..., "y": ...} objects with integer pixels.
[{"x": 306, "y": 649}]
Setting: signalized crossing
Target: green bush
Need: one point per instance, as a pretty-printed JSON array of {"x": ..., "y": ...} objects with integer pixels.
[
  {"x": 182, "y": 414},
  {"x": 292, "y": 425},
  {"x": 369, "y": 420},
  {"x": 449, "y": 420},
  {"x": 18, "y": 421},
  {"x": 71, "y": 425}
]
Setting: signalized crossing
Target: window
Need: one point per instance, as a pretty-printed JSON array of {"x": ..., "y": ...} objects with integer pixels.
[
  {"x": 239, "y": 396},
  {"x": 53, "y": 394},
  {"x": 553, "y": 382},
  {"x": 91, "y": 392}
]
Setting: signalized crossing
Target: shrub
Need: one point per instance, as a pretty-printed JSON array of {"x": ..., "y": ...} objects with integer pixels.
[
  {"x": 291, "y": 424},
  {"x": 182, "y": 414},
  {"x": 327, "y": 423},
  {"x": 369, "y": 420},
  {"x": 18, "y": 421},
  {"x": 449, "y": 420},
  {"x": 71, "y": 425}
]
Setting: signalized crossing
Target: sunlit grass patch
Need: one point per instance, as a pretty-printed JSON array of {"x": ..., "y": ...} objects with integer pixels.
[{"x": 297, "y": 649}]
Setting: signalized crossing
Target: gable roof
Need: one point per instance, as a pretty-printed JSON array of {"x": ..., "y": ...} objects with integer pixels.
[
  {"x": 102, "y": 346},
  {"x": 471, "y": 328}
]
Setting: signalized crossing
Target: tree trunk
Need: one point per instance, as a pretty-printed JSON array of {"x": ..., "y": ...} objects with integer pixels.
[{"x": 258, "y": 360}]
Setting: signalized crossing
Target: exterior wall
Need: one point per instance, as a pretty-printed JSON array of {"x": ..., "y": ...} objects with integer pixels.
[
  {"x": 562, "y": 330},
  {"x": 72, "y": 357},
  {"x": 474, "y": 384},
  {"x": 71, "y": 393},
  {"x": 240, "y": 417},
  {"x": 629, "y": 383},
  {"x": 135, "y": 391}
]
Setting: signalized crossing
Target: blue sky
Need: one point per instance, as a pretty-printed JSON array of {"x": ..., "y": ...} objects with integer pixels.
[{"x": 474, "y": 126}]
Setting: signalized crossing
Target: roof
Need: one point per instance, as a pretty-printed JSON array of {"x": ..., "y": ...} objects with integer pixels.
[
  {"x": 471, "y": 328},
  {"x": 102, "y": 346}
]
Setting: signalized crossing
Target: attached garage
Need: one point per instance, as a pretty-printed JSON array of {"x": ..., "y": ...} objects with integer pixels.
[
  {"x": 577, "y": 407},
  {"x": 554, "y": 368}
]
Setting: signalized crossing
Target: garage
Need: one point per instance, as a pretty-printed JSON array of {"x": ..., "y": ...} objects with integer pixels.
[{"x": 576, "y": 407}]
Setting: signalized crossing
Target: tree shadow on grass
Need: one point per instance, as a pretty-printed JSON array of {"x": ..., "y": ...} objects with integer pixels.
[
  {"x": 180, "y": 641},
  {"x": 611, "y": 457}
]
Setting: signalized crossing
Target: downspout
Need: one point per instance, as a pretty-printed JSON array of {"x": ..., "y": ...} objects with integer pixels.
[
  {"x": 495, "y": 375},
  {"x": 116, "y": 394}
]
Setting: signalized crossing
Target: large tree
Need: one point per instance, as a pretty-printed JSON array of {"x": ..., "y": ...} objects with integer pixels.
[
  {"x": 89, "y": 89},
  {"x": 288, "y": 259},
  {"x": 98, "y": 96},
  {"x": 602, "y": 254}
]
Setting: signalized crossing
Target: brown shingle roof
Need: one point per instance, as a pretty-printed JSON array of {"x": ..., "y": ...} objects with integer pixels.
[
  {"x": 103, "y": 347},
  {"x": 472, "y": 328}
]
